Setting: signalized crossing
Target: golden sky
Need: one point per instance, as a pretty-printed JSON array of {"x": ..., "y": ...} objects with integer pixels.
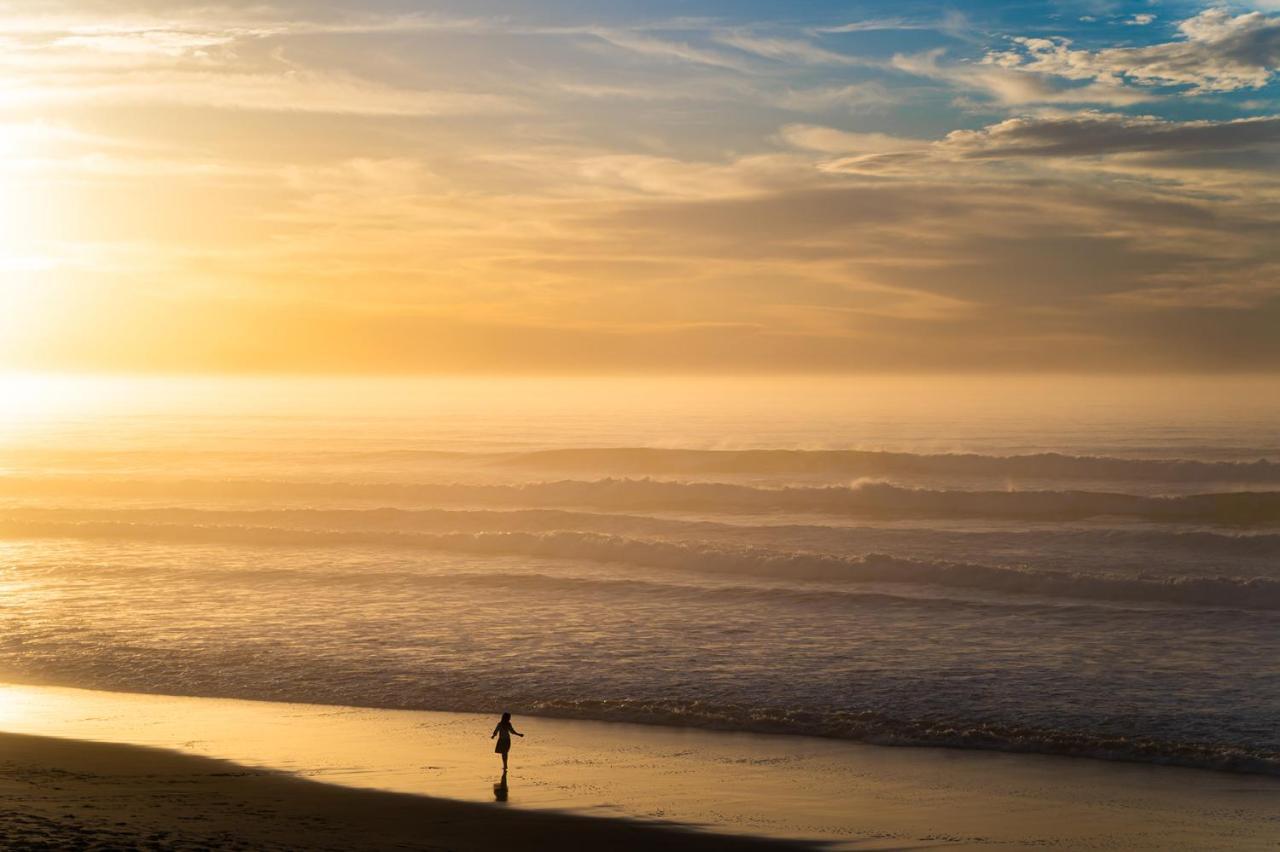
[{"x": 665, "y": 186}]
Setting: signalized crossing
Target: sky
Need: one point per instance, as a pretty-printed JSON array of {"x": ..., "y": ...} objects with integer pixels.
[{"x": 694, "y": 186}]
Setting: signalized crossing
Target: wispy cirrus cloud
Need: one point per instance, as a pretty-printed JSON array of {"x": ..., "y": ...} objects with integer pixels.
[
  {"x": 670, "y": 49},
  {"x": 230, "y": 22},
  {"x": 787, "y": 49},
  {"x": 297, "y": 91},
  {"x": 829, "y": 140},
  {"x": 854, "y": 97},
  {"x": 951, "y": 20},
  {"x": 219, "y": 59}
]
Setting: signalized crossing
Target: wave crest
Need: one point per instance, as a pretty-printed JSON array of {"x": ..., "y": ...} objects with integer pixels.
[
  {"x": 871, "y": 500},
  {"x": 873, "y": 463},
  {"x": 1234, "y": 592}
]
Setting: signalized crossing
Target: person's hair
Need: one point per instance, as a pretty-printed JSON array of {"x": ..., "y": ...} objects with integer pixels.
[{"x": 506, "y": 717}]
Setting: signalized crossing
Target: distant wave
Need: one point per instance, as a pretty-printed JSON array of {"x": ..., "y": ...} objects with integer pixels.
[
  {"x": 638, "y": 461},
  {"x": 1142, "y": 539},
  {"x": 381, "y": 518},
  {"x": 1163, "y": 550},
  {"x": 865, "y": 463},
  {"x": 688, "y": 588},
  {"x": 873, "y": 500},
  {"x": 1234, "y": 592}
]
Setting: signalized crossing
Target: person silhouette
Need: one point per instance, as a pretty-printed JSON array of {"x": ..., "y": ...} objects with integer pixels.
[{"x": 503, "y": 732}]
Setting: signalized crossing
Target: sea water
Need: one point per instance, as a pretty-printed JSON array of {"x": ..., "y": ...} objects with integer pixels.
[{"x": 1042, "y": 564}]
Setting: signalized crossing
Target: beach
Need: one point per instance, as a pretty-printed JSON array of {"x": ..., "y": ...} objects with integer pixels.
[
  {"x": 839, "y": 425},
  {"x": 220, "y": 772},
  {"x": 66, "y": 794},
  {"x": 819, "y": 614}
]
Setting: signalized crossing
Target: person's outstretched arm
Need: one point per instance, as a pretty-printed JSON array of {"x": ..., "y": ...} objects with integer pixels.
[
  {"x": 495, "y": 732},
  {"x": 517, "y": 733}
]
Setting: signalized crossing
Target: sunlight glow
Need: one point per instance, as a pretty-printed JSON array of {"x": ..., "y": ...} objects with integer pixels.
[
  {"x": 32, "y": 400},
  {"x": 14, "y": 707},
  {"x": 15, "y": 203},
  {"x": 27, "y": 290}
]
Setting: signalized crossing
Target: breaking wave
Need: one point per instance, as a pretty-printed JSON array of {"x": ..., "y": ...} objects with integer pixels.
[
  {"x": 1208, "y": 542},
  {"x": 860, "y": 463},
  {"x": 1254, "y": 593},
  {"x": 873, "y": 500},
  {"x": 638, "y": 461}
]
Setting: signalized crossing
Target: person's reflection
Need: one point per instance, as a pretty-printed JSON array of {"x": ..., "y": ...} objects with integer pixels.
[{"x": 500, "y": 789}]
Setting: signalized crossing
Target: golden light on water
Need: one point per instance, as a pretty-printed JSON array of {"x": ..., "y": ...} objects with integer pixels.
[
  {"x": 12, "y": 708},
  {"x": 29, "y": 396},
  {"x": 33, "y": 400}
]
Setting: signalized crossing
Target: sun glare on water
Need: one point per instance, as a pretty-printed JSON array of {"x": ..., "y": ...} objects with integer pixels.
[{"x": 28, "y": 400}]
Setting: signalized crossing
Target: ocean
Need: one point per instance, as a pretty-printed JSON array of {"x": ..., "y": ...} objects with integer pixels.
[{"x": 1047, "y": 564}]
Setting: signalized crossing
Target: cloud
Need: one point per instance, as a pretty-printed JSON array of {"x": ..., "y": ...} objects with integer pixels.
[
  {"x": 954, "y": 262},
  {"x": 222, "y": 22},
  {"x": 217, "y": 58},
  {"x": 651, "y": 46},
  {"x": 1014, "y": 214},
  {"x": 831, "y": 141},
  {"x": 787, "y": 49},
  {"x": 604, "y": 176},
  {"x": 952, "y": 20},
  {"x": 1234, "y": 159},
  {"x": 853, "y": 97},
  {"x": 712, "y": 193},
  {"x": 25, "y": 138},
  {"x": 169, "y": 43},
  {"x": 292, "y": 91},
  {"x": 1013, "y": 86},
  {"x": 873, "y": 25},
  {"x": 1032, "y": 258},
  {"x": 1218, "y": 52},
  {"x": 1095, "y": 134}
]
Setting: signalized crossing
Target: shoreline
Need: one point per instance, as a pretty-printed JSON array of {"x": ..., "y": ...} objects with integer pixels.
[
  {"x": 777, "y": 787},
  {"x": 63, "y": 793},
  {"x": 991, "y": 739}
]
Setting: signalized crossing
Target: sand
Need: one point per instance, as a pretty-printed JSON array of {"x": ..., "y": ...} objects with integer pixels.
[
  {"x": 67, "y": 794},
  {"x": 573, "y": 784}
]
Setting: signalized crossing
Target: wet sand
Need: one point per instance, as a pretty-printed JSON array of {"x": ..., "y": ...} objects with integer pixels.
[
  {"x": 632, "y": 779},
  {"x": 66, "y": 794}
]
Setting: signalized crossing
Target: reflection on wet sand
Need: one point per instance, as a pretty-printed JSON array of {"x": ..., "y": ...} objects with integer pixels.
[{"x": 781, "y": 786}]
